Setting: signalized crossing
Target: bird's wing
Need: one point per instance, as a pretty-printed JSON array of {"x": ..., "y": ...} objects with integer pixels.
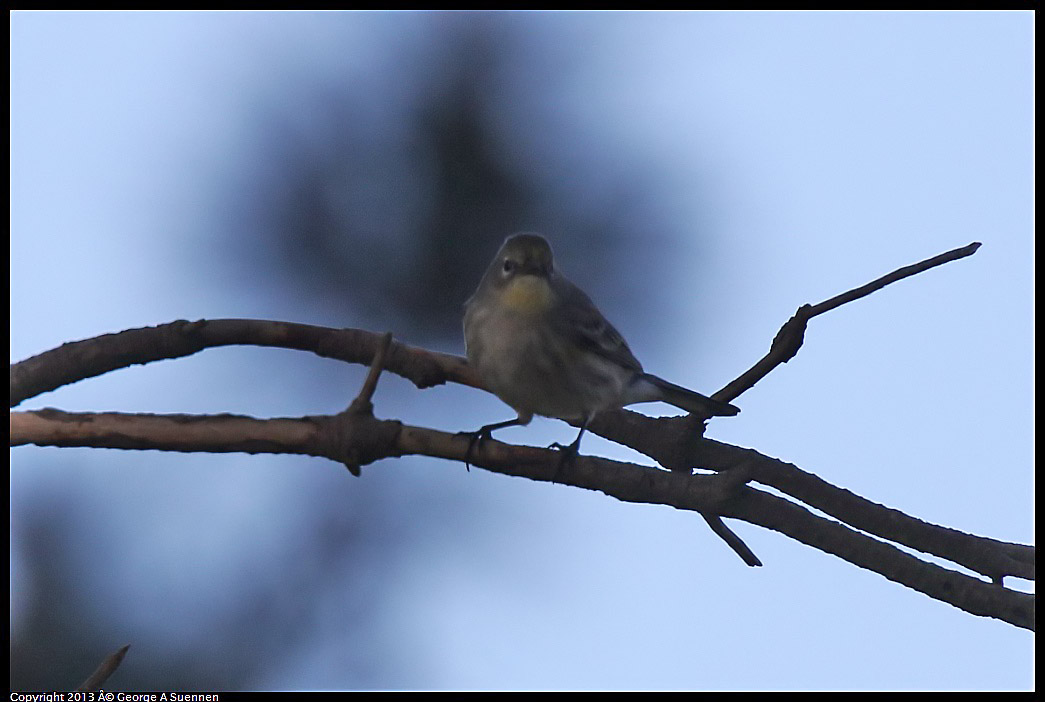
[{"x": 582, "y": 322}]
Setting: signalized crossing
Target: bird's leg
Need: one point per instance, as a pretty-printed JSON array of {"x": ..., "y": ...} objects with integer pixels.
[
  {"x": 483, "y": 433},
  {"x": 568, "y": 453}
]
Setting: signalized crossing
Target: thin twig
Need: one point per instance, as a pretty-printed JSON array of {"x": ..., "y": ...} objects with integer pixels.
[
  {"x": 366, "y": 439},
  {"x": 732, "y": 540},
  {"x": 789, "y": 339},
  {"x": 896, "y": 275},
  {"x": 362, "y": 405},
  {"x": 107, "y": 668},
  {"x": 362, "y": 402}
]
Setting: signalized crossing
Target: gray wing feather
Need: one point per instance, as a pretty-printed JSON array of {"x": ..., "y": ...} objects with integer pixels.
[{"x": 580, "y": 320}]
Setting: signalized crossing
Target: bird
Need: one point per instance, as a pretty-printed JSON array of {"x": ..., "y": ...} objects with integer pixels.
[{"x": 540, "y": 344}]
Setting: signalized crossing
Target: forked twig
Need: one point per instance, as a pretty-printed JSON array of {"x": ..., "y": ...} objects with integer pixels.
[
  {"x": 786, "y": 344},
  {"x": 354, "y": 437},
  {"x": 789, "y": 339},
  {"x": 362, "y": 405}
]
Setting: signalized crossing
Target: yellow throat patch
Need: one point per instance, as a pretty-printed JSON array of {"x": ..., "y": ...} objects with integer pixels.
[{"x": 528, "y": 294}]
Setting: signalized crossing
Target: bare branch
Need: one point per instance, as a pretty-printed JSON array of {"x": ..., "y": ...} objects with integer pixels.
[
  {"x": 362, "y": 405},
  {"x": 354, "y": 437},
  {"x": 106, "y": 669},
  {"x": 78, "y": 360},
  {"x": 350, "y": 437},
  {"x": 732, "y": 540},
  {"x": 362, "y": 402},
  {"x": 990, "y": 557},
  {"x": 985, "y": 599},
  {"x": 220, "y": 433},
  {"x": 789, "y": 339},
  {"x": 899, "y": 274},
  {"x": 671, "y": 442}
]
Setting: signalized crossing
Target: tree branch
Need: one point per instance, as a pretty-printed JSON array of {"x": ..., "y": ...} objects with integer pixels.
[
  {"x": 789, "y": 339},
  {"x": 671, "y": 442},
  {"x": 374, "y": 439},
  {"x": 104, "y": 671},
  {"x": 355, "y": 437},
  {"x": 79, "y": 360}
]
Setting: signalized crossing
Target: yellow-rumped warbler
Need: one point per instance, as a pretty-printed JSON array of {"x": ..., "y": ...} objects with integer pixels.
[{"x": 540, "y": 344}]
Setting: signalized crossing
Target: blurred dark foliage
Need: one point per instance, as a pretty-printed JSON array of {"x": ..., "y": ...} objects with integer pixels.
[
  {"x": 65, "y": 635},
  {"x": 398, "y": 215},
  {"x": 379, "y": 212}
]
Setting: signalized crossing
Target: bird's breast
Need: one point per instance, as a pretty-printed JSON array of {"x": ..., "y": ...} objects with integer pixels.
[{"x": 527, "y": 295}]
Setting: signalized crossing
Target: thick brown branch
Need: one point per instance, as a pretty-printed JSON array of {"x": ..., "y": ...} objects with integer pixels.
[
  {"x": 83, "y": 359},
  {"x": 78, "y": 360},
  {"x": 355, "y": 438},
  {"x": 218, "y": 433},
  {"x": 967, "y": 593},
  {"x": 990, "y": 557},
  {"x": 360, "y": 438},
  {"x": 672, "y": 443}
]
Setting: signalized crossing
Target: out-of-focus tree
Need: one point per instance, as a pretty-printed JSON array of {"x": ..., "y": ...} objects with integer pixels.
[{"x": 387, "y": 202}]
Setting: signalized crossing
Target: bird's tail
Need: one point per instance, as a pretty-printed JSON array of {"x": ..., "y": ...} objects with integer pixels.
[{"x": 688, "y": 400}]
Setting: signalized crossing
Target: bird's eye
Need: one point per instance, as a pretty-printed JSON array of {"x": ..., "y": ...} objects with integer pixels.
[{"x": 509, "y": 265}]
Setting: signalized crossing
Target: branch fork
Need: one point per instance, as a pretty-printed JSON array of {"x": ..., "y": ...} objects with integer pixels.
[{"x": 354, "y": 437}]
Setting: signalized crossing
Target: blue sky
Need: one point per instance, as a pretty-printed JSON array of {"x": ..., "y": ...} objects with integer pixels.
[{"x": 827, "y": 148}]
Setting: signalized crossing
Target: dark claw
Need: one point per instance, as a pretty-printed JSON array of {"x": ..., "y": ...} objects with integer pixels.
[
  {"x": 567, "y": 455},
  {"x": 474, "y": 439},
  {"x": 477, "y": 437}
]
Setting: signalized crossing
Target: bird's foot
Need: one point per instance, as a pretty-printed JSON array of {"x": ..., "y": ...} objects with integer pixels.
[
  {"x": 475, "y": 438},
  {"x": 567, "y": 455}
]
